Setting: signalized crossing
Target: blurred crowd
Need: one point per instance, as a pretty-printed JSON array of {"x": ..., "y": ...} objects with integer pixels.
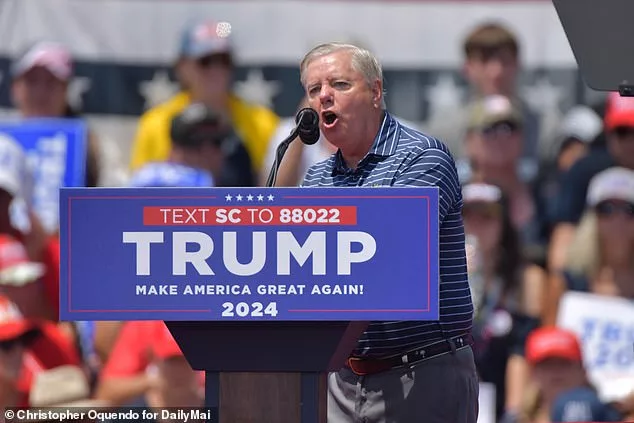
[{"x": 548, "y": 210}]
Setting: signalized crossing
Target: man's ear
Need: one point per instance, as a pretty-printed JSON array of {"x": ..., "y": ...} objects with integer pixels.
[{"x": 377, "y": 93}]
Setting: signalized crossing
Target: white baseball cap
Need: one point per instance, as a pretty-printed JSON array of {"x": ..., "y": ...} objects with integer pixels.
[
  {"x": 481, "y": 192},
  {"x": 13, "y": 166},
  {"x": 582, "y": 123},
  {"x": 615, "y": 183}
]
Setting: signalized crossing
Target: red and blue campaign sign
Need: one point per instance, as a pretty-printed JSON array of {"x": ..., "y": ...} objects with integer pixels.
[{"x": 249, "y": 254}]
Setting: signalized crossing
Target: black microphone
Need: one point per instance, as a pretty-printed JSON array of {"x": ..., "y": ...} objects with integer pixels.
[
  {"x": 307, "y": 121},
  {"x": 307, "y": 129}
]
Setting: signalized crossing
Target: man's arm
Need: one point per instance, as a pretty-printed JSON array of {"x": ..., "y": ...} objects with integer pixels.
[{"x": 433, "y": 167}]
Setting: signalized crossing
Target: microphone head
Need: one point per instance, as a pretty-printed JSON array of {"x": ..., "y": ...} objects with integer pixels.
[{"x": 307, "y": 121}]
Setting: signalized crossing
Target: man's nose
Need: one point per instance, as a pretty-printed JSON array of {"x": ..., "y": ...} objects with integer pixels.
[
  {"x": 495, "y": 68},
  {"x": 325, "y": 96}
]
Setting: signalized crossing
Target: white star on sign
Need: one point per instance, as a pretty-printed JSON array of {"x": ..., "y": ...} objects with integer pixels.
[
  {"x": 258, "y": 90},
  {"x": 260, "y": 197},
  {"x": 158, "y": 90},
  {"x": 76, "y": 89},
  {"x": 228, "y": 197},
  {"x": 444, "y": 95},
  {"x": 270, "y": 197},
  {"x": 249, "y": 197},
  {"x": 239, "y": 197}
]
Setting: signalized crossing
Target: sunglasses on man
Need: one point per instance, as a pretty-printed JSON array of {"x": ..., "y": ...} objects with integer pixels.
[
  {"x": 214, "y": 60},
  {"x": 501, "y": 129},
  {"x": 611, "y": 208},
  {"x": 8, "y": 345},
  {"x": 623, "y": 132}
]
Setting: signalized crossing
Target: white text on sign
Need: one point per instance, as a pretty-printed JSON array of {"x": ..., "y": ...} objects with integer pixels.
[
  {"x": 274, "y": 215},
  {"x": 287, "y": 246}
]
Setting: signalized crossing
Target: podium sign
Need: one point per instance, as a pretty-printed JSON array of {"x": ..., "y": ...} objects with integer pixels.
[{"x": 256, "y": 254}]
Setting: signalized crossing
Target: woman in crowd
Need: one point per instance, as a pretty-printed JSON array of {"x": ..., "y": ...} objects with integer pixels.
[
  {"x": 41, "y": 77},
  {"x": 601, "y": 258},
  {"x": 506, "y": 292}
]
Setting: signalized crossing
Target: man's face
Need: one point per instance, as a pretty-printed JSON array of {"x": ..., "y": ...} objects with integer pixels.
[
  {"x": 207, "y": 77},
  {"x": 38, "y": 93},
  {"x": 621, "y": 145},
  {"x": 492, "y": 72},
  {"x": 499, "y": 145},
  {"x": 557, "y": 375},
  {"x": 342, "y": 96}
]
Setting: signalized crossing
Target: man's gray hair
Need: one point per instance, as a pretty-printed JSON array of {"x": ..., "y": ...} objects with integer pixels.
[{"x": 363, "y": 61}]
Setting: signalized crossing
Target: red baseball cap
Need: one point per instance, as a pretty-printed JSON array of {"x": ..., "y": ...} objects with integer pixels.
[
  {"x": 619, "y": 111},
  {"x": 12, "y": 324},
  {"x": 164, "y": 345},
  {"x": 552, "y": 342}
]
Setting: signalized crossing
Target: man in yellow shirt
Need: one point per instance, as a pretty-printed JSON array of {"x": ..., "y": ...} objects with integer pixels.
[{"x": 205, "y": 70}]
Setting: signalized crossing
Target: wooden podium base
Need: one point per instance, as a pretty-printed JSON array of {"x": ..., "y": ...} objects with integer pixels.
[{"x": 267, "y": 397}]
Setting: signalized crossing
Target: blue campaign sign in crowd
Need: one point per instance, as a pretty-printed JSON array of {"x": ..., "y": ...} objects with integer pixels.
[{"x": 56, "y": 156}]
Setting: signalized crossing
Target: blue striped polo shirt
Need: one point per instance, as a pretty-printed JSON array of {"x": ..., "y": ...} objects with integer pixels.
[{"x": 401, "y": 156}]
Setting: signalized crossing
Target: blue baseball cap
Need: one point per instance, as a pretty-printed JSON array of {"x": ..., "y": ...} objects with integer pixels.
[
  {"x": 205, "y": 39},
  {"x": 582, "y": 405},
  {"x": 167, "y": 175}
]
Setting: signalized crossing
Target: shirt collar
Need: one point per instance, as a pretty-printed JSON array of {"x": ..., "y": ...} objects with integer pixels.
[{"x": 384, "y": 144}]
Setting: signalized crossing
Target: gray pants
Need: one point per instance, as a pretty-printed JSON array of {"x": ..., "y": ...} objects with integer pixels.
[{"x": 443, "y": 389}]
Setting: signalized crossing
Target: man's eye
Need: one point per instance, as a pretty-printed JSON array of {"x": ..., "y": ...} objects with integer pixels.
[
  {"x": 313, "y": 90},
  {"x": 340, "y": 84}
]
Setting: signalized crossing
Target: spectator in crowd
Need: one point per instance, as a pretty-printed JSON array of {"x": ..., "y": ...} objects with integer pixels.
[
  {"x": 563, "y": 392},
  {"x": 146, "y": 368},
  {"x": 506, "y": 291},
  {"x": 578, "y": 131},
  {"x": 30, "y": 347},
  {"x": 41, "y": 76},
  {"x": 494, "y": 142},
  {"x": 298, "y": 157},
  {"x": 196, "y": 158},
  {"x": 205, "y": 71},
  {"x": 618, "y": 151},
  {"x": 492, "y": 64},
  {"x": 601, "y": 257},
  {"x": 36, "y": 292}
]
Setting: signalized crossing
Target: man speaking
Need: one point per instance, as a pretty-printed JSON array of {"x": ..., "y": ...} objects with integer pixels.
[{"x": 400, "y": 371}]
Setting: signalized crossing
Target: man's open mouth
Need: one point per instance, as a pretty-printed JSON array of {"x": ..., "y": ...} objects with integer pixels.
[{"x": 329, "y": 118}]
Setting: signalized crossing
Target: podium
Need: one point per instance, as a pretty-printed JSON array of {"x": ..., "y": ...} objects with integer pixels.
[
  {"x": 264, "y": 289},
  {"x": 267, "y": 371}
]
